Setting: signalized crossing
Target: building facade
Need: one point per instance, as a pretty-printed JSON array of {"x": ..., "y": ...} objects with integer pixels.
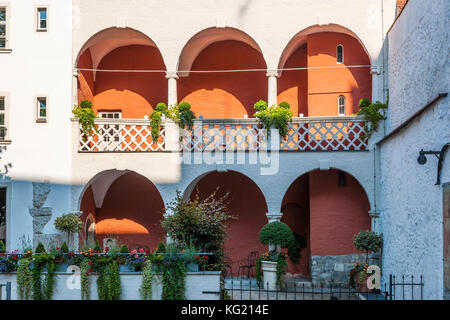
[{"x": 325, "y": 180}]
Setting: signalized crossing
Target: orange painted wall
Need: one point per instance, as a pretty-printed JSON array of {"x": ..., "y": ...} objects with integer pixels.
[
  {"x": 295, "y": 208},
  {"x": 131, "y": 212},
  {"x": 325, "y": 85},
  {"x": 336, "y": 213},
  {"x": 247, "y": 204},
  {"x": 134, "y": 93},
  {"x": 225, "y": 95},
  {"x": 293, "y": 85},
  {"x": 86, "y": 78}
]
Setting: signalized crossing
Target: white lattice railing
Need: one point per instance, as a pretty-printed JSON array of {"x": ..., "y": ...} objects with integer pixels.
[
  {"x": 304, "y": 134},
  {"x": 122, "y": 135}
]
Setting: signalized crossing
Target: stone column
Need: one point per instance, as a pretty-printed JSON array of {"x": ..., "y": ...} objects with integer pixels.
[
  {"x": 272, "y": 87},
  {"x": 75, "y": 76},
  {"x": 172, "y": 98}
]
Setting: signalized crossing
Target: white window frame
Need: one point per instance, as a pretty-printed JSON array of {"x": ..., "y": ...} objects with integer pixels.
[
  {"x": 7, "y": 185},
  {"x": 341, "y": 105},
  {"x": 114, "y": 115},
  {"x": 105, "y": 114},
  {"x": 7, "y": 25},
  {"x": 5, "y": 112},
  {"x": 337, "y": 54},
  {"x": 39, "y": 118},
  {"x": 38, "y": 19}
]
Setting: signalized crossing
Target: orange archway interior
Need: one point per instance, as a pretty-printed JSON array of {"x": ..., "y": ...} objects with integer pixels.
[
  {"x": 225, "y": 95},
  {"x": 131, "y": 212},
  {"x": 315, "y": 92},
  {"x": 247, "y": 205},
  {"x": 326, "y": 214}
]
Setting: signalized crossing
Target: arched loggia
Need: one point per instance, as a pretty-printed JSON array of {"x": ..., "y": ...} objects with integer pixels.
[
  {"x": 126, "y": 207},
  {"x": 326, "y": 207},
  {"x": 247, "y": 205}
]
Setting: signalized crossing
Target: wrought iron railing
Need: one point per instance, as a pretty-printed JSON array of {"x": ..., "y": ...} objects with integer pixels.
[{"x": 304, "y": 134}]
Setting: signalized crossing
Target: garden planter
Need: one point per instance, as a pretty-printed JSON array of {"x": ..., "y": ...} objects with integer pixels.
[
  {"x": 126, "y": 268},
  {"x": 269, "y": 269},
  {"x": 192, "y": 267},
  {"x": 362, "y": 286}
]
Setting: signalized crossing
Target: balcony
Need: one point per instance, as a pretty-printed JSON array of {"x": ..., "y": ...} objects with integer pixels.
[{"x": 305, "y": 134}]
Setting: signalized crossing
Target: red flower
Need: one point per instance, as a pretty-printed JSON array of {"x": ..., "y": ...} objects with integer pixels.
[
  {"x": 58, "y": 248},
  {"x": 205, "y": 257},
  {"x": 90, "y": 270},
  {"x": 106, "y": 249},
  {"x": 90, "y": 263},
  {"x": 14, "y": 257},
  {"x": 197, "y": 257}
]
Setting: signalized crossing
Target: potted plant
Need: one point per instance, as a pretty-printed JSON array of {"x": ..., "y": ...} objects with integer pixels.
[
  {"x": 189, "y": 255},
  {"x": 69, "y": 223},
  {"x": 273, "y": 264},
  {"x": 136, "y": 259},
  {"x": 366, "y": 241}
]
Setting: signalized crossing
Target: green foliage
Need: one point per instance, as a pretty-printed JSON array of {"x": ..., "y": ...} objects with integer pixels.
[
  {"x": 85, "y": 288},
  {"x": 366, "y": 240},
  {"x": 147, "y": 281},
  {"x": 294, "y": 248},
  {"x": 64, "y": 248},
  {"x": 258, "y": 273},
  {"x": 49, "y": 281},
  {"x": 113, "y": 281},
  {"x": 97, "y": 247},
  {"x": 180, "y": 113},
  {"x": 274, "y": 117},
  {"x": 124, "y": 249},
  {"x": 372, "y": 113},
  {"x": 40, "y": 248},
  {"x": 69, "y": 223},
  {"x": 161, "y": 247},
  {"x": 200, "y": 222},
  {"x": 2, "y": 247},
  {"x": 24, "y": 279},
  {"x": 173, "y": 280},
  {"x": 86, "y": 116},
  {"x": 102, "y": 285},
  {"x": 276, "y": 233},
  {"x": 281, "y": 269}
]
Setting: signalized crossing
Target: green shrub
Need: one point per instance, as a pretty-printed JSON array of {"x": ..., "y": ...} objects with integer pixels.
[
  {"x": 367, "y": 241},
  {"x": 86, "y": 116},
  {"x": 274, "y": 117},
  {"x": 40, "y": 248},
  {"x": 69, "y": 223},
  {"x": 161, "y": 247},
  {"x": 124, "y": 249},
  {"x": 64, "y": 248},
  {"x": 2, "y": 247},
  {"x": 276, "y": 233}
]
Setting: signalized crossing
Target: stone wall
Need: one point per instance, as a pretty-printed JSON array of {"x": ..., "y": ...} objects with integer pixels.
[{"x": 335, "y": 269}]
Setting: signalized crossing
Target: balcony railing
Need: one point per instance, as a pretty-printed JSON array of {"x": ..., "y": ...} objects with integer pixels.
[{"x": 304, "y": 134}]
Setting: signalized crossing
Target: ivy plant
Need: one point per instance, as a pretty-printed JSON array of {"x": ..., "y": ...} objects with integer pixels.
[
  {"x": 24, "y": 279},
  {"x": 86, "y": 116},
  {"x": 147, "y": 281},
  {"x": 373, "y": 113},
  {"x": 277, "y": 117},
  {"x": 181, "y": 114}
]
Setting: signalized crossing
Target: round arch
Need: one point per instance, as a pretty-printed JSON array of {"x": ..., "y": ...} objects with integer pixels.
[
  {"x": 247, "y": 205},
  {"x": 300, "y": 38},
  {"x": 124, "y": 206},
  {"x": 206, "y": 37}
]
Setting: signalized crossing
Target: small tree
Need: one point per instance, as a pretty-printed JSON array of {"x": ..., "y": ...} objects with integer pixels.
[
  {"x": 69, "y": 223},
  {"x": 367, "y": 241},
  {"x": 276, "y": 233}
]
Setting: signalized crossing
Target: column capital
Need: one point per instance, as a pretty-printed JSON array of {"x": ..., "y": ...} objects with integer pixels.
[
  {"x": 271, "y": 73},
  {"x": 274, "y": 216},
  {"x": 374, "y": 214},
  {"x": 75, "y": 73},
  {"x": 171, "y": 75},
  {"x": 376, "y": 69}
]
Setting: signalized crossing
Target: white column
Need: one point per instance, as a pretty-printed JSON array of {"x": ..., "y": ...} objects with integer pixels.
[
  {"x": 272, "y": 87},
  {"x": 172, "y": 98},
  {"x": 75, "y": 76}
]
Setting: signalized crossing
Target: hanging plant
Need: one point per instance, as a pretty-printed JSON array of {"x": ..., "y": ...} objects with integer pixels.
[
  {"x": 173, "y": 278},
  {"x": 277, "y": 117},
  {"x": 85, "y": 288},
  {"x": 181, "y": 114},
  {"x": 49, "y": 281},
  {"x": 373, "y": 114},
  {"x": 24, "y": 279},
  {"x": 86, "y": 116},
  {"x": 147, "y": 281},
  {"x": 113, "y": 282}
]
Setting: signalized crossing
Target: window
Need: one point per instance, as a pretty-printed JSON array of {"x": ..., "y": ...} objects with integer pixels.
[
  {"x": 3, "y": 28},
  {"x": 42, "y": 19},
  {"x": 41, "y": 109},
  {"x": 341, "y": 106},
  {"x": 111, "y": 131},
  {"x": 2, "y": 117},
  {"x": 110, "y": 115},
  {"x": 340, "y": 54}
]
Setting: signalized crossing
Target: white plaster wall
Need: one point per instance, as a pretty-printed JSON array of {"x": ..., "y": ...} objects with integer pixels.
[
  {"x": 272, "y": 24},
  {"x": 411, "y": 203},
  {"x": 39, "y": 64}
]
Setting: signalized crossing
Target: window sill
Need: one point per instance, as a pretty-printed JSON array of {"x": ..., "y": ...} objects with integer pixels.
[
  {"x": 41, "y": 120},
  {"x": 5, "y": 50},
  {"x": 41, "y": 30},
  {"x": 5, "y": 142}
]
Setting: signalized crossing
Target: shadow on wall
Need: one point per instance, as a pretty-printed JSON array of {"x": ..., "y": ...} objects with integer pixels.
[{"x": 225, "y": 95}]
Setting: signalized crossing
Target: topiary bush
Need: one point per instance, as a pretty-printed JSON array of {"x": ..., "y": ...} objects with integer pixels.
[
  {"x": 69, "y": 223},
  {"x": 276, "y": 233},
  {"x": 367, "y": 241},
  {"x": 40, "y": 248},
  {"x": 124, "y": 249},
  {"x": 64, "y": 248}
]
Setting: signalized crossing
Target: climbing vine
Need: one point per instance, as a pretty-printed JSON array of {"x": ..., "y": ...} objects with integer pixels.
[
  {"x": 147, "y": 281},
  {"x": 108, "y": 281},
  {"x": 277, "y": 117},
  {"x": 373, "y": 113},
  {"x": 173, "y": 278},
  {"x": 180, "y": 113},
  {"x": 86, "y": 116},
  {"x": 24, "y": 279},
  {"x": 49, "y": 281},
  {"x": 85, "y": 288}
]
